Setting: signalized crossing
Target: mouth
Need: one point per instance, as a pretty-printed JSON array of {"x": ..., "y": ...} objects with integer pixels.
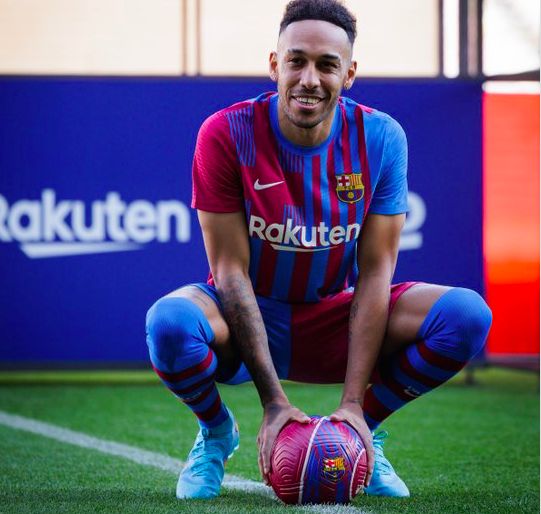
[{"x": 307, "y": 102}]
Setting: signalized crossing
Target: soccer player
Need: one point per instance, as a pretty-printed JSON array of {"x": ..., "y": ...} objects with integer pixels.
[{"x": 301, "y": 197}]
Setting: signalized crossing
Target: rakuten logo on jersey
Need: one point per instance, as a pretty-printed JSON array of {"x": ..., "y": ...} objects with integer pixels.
[
  {"x": 298, "y": 238},
  {"x": 51, "y": 228}
]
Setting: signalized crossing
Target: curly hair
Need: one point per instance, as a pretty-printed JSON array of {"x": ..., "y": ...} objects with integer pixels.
[{"x": 332, "y": 11}]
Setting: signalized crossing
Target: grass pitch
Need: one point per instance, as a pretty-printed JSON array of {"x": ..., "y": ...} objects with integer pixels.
[{"x": 459, "y": 449}]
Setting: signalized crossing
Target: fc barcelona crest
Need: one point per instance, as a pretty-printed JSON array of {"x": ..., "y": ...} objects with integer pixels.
[
  {"x": 333, "y": 469},
  {"x": 350, "y": 187}
]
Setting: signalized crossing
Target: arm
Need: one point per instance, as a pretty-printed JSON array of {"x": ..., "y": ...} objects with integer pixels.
[
  {"x": 226, "y": 244},
  {"x": 377, "y": 255}
]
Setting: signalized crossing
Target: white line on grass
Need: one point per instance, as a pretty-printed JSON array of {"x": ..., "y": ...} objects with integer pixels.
[{"x": 146, "y": 458}]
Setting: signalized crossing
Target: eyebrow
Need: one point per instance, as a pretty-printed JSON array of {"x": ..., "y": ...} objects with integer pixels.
[{"x": 332, "y": 57}]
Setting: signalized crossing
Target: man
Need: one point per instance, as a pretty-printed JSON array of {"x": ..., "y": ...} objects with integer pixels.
[{"x": 300, "y": 195}]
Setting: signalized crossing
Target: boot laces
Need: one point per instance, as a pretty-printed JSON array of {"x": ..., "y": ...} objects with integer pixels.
[
  {"x": 206, "y": 447},
  {"x": 384, "y": 466}
]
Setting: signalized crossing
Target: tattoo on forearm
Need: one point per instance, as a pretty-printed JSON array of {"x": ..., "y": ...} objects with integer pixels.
[
  {"x": 354, "y": 310},
  {"x": 242, "y": 314}
]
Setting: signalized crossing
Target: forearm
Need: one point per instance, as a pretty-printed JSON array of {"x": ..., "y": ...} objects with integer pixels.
[
  {"x": 367, "y": 323},
  {"x": 244, "y": 319}
]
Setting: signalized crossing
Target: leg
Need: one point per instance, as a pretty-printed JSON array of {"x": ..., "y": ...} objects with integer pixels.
[
  {"x": 185, "y": 332},
  {"x": 433, "y": 331},
  {"x": 179, "y": 336}
]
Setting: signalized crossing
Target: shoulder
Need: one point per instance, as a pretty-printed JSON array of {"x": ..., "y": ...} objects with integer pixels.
[
  {"x": 239, "y": 112},
  {"x": 376, "y": 123}
]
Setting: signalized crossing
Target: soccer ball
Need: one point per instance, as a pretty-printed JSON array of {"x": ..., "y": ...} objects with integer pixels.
[{"x": 318, "y": 462}]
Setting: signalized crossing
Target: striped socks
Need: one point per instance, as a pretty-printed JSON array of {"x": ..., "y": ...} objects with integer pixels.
[
  {"x": 453, "y": 332},
  {"x": 178, "y": 337}
]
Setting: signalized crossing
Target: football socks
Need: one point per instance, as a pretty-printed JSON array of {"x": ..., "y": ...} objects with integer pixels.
[
  {"x": 178, "y": 338},
  {"x": 453, "y": 332}
]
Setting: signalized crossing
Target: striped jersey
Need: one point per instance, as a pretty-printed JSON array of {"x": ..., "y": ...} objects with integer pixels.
[{"x": 304, "y": 206}]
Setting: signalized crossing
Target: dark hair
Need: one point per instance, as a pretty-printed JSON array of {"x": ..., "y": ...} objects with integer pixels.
[{"x": 332, "y": 11}]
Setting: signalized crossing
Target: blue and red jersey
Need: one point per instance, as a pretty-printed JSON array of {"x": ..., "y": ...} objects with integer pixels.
[{"x": 304, "y": 206}]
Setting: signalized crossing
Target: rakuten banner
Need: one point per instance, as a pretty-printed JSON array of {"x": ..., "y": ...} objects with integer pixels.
[{"x": 95, "y": 188}]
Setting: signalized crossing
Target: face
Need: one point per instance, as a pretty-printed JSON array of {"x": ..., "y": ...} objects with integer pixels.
[{"x": 311, "y": 66}]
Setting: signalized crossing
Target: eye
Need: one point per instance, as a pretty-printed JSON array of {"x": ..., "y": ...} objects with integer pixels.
[
  {"x": 295, "y": 61},
  {"x": 329, "y": 65}
]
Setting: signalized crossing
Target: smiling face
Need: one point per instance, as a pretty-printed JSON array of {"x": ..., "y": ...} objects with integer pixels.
[{"x": 312, "y": 65}]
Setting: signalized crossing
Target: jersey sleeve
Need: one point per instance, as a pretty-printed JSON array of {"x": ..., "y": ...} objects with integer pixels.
[
  {"x": 217, "y": 186},
  {"x": 391, "y": 192}
]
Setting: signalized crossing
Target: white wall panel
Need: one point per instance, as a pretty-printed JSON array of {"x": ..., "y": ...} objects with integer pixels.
[
  {"x": 90, "y": 37},
  {"x": 395, "y": 37}
]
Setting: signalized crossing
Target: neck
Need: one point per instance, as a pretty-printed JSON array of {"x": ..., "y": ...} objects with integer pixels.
[{"x": 308, "y": 137}]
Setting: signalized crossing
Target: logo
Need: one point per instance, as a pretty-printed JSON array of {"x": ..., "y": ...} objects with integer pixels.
[
  {"x": 412, "y": 235},
  {"x": 349, "y": 187},
  {"x": 411, "y": 391},
  {"x": 260, "y": 187},
  {"x": 51, "y": 228},
  {"x": 298, "y": 238},
  {"x": 333, "y": 469}
]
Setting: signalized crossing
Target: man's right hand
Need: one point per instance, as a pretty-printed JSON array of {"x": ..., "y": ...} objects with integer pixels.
[{"x": 275, "y": 416}]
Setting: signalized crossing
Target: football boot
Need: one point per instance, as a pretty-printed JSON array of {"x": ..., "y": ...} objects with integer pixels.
[
  {"x": 203, "y": 473},
  {"x": 385, "y": 481}
]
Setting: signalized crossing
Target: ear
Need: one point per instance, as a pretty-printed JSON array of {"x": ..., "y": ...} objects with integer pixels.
[
  {"x": 273, "y": 66},
  {"x": 350, "y": 75}
]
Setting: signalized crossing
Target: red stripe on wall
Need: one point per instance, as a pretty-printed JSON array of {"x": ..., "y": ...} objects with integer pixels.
[{"x": 511, "y": 221}]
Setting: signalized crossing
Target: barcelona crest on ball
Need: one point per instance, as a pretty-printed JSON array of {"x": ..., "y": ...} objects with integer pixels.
[
  {"x": 334, "y": 469},
  {"x": 350, "y": 187}
]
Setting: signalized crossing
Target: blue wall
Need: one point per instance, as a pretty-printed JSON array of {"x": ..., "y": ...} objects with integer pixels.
[{"x": 123, "y": 148}]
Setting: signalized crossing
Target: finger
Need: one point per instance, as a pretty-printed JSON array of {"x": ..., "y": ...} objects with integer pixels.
[
  {"x": 301, "y": 417},
  {"x": 265, "y": 455},
  {"x": 370, "y": 467},
  {"x": 336, "y": 417},
  {"x": 260, "y": 464},
  {"x": 370, "y": 457}
]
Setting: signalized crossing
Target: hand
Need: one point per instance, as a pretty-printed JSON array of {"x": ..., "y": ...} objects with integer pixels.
[
  {"x": 275, "y": 416},
  {"x": 352, "y": 413}
]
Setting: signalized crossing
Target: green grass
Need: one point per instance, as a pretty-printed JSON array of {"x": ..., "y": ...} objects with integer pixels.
[{"x": 459, "y": 449}]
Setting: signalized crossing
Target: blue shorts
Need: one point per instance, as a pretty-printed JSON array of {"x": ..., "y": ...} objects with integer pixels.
[{"x": 308, "y": 342}]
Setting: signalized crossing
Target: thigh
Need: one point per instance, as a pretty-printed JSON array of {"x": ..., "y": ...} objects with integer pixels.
[
  {"x": 407, "y": 315},
  {"x": 319, "y": 332}
]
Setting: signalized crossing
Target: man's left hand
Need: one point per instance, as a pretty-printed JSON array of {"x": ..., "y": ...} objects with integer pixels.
[{"x": 352, "y": 413}]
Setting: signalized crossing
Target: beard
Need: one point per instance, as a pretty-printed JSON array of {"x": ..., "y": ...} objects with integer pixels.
[{"x": 308, "y": 122}]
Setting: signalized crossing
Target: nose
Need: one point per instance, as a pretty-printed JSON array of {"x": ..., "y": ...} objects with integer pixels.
[{"x": 309, "y": 77}]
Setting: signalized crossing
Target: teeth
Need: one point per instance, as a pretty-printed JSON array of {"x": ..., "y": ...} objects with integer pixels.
[{"x": 307, "y": 100}]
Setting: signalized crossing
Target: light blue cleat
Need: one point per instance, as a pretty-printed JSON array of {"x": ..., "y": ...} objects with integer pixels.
[
  {"x": 385, "y": 481},
  {"x": 203, "y": 473}
]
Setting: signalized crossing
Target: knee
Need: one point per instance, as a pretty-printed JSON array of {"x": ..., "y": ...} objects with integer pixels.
[
  {"x": 470, "y": 318},
  {"x": 170, "y": 324}
]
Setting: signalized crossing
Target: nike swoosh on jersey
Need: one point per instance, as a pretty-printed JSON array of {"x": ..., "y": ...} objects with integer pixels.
[{"x": 259, "y": 187}]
